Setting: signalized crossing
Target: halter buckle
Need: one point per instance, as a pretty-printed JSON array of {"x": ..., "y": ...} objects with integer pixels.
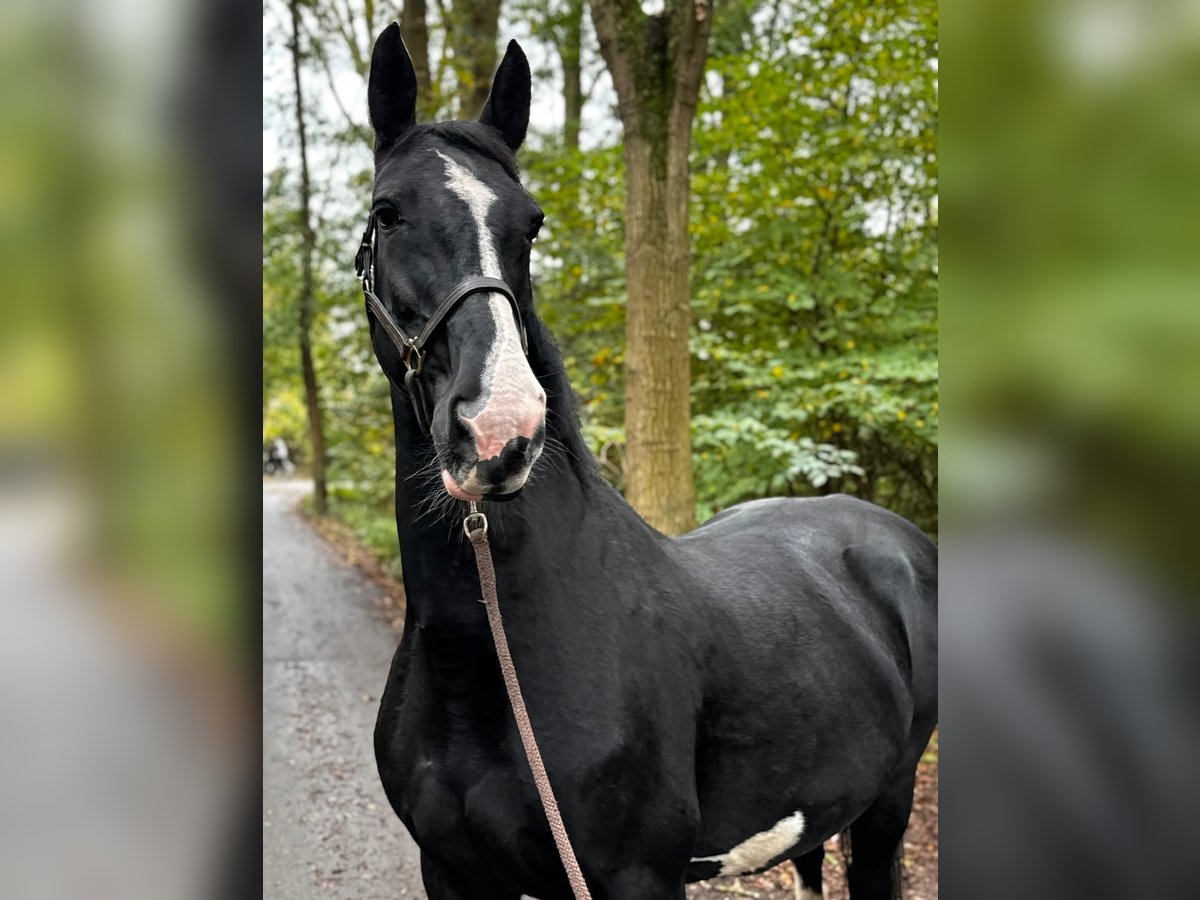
[{"x": 411, "y": 351}]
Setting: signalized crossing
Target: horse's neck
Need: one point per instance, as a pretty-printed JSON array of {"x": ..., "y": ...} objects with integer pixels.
[{"x": 526, "y": 534}]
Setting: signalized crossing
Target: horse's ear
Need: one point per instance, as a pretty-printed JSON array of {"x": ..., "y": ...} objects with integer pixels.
[
  {"x": 392, "y": 89},
  {"x": 507, "y": 107}
]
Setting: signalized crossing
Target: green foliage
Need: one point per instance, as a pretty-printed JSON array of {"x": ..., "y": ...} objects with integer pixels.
[
  {"x": 815, "y": 284},
  {"x": 579, "y": 269},
  {"x": 814, "y": 274},
  {"x": 285, "y": 416},
  {"x": 744, "y": 456},
  {"x": 359, "y": 442}
]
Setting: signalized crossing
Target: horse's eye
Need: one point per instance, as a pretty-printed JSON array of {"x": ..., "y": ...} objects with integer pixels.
[
  {"x": 534, "y": 227},
  {"x": 387, "y": 217}
]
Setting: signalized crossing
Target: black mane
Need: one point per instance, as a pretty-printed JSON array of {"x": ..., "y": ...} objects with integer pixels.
[{"x": 562, "y": 405}]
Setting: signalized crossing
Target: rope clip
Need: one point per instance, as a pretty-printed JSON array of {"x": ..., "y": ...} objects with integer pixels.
[{"x": 474, "y": 521}]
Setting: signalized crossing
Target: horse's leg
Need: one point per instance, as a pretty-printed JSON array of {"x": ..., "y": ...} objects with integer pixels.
[
  {"x": 441, "y": 883},
  {"x": 808, "y": 867},
  {"x": 876, "y": 837}
]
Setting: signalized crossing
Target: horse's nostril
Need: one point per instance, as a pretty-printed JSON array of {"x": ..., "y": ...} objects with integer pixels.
[
  {"x": 514, "y": 455},
  {"x": 510, "y": 461}
]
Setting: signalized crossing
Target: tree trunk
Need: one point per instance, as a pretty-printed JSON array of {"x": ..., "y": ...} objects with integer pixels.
[
  {"x": 414, "y": 28},
  {"x": 473, "y": 37},
  {"x": 571, "y": 53},
  {"x": 656, "y": 63},
  {"x": 316, "y": 428}
]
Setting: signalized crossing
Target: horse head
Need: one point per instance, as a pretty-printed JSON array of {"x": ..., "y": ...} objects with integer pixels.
[{"x": 449, "y": 214}]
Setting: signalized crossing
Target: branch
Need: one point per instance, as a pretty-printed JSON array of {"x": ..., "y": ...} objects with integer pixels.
[
  {"x": 355, "y": 127},
  {"x": 691, "y": 25},
  {"x": 330, "y": 20},
  {"x": 360, "y": 60},
  {"x": 587, "y": 95},
  {"x": 615, "y": 22},
  {"x": 438, "y": 79}
]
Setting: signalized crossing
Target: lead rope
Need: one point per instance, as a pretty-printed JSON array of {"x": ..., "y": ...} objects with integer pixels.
[{"x": 475, "y": 526}]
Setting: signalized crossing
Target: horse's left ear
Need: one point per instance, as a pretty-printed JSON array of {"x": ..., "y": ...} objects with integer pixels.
[{"x": 507, "y": 107}]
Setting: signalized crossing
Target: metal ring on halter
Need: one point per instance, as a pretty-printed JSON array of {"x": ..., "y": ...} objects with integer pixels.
[{"x": 476, "y": 517}]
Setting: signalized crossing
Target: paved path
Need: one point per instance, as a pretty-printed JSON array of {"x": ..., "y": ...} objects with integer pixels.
[{"x": 328, "y": 831}]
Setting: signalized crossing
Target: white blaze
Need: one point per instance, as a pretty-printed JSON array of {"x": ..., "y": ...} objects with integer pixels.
[
  {"x": 755, "y": 852},
  {"x": 510, "y": 398},
  {"x": 479, "y": 199}
]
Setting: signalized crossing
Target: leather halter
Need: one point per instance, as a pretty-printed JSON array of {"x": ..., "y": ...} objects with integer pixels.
[{"x": 412, "y": 348}]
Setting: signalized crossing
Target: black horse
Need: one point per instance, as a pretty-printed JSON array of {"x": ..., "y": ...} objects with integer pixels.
[{"x": 714, "y": 703}]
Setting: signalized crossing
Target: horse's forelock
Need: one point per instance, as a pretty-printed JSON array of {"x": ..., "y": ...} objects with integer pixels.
[{"x": 469, "y": 136}]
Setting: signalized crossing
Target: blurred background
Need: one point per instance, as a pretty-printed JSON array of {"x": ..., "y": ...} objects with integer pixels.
[
  {"x": 1071, "y": 358},
  {"x": 128, "y": 277}
]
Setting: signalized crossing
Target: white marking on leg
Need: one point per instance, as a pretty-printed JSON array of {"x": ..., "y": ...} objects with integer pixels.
[{"x": 755, "y": 852}]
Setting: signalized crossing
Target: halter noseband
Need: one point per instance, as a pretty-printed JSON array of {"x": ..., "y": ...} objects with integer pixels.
[{"x": 412, "y": 348}]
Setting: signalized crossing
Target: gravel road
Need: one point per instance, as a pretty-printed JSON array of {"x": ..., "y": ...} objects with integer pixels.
[{"x": 328, "y": 831}]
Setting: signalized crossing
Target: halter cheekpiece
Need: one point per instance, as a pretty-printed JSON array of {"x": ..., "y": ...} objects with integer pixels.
[{"x": 412, "y": 349}]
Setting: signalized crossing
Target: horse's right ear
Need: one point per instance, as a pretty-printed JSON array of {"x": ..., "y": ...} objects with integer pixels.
[{"x": 392, "y": 89}]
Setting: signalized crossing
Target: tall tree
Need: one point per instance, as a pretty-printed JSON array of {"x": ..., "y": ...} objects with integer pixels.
[
  {"x": 656, "y": 62},
  {"x": 354, "y": 27},
  {"x": 559, "y": 26},
  {"x": 306, "y": 299},
  {"x": 570, "y": 51},
  {"x": 472, "y": 35},
  {"x": 415, "y": 29}
]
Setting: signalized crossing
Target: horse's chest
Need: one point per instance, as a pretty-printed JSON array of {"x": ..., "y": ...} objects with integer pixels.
[{"x": 475, "y": 811}]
